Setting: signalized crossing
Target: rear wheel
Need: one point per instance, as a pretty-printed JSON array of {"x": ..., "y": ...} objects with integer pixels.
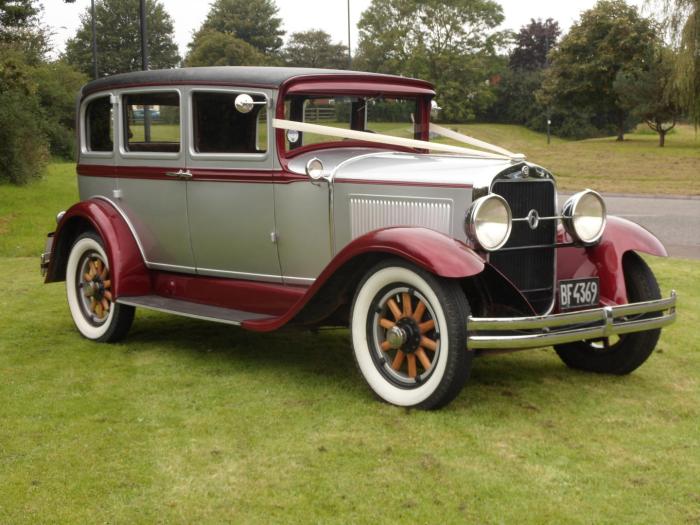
[
  {"x": 89, "y": 292},
  {"x": 409, "y": 335},
  {"x": 620, "y": 354}
]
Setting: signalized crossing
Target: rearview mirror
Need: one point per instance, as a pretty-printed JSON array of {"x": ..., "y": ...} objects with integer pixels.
[{"x": 244, "y": 103}]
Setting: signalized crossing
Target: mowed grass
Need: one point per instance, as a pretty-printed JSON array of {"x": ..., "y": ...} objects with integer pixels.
[
  {"x": 188, "y": 422},
  {"x": 637, "y": 165}
]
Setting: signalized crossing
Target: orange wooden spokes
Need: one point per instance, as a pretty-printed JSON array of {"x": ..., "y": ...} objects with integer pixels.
[
  {"x": 87, "y": 277},
  {"x": 420, "y": 353},
  {"x": 420, "y": 310},
  {"x": 107, "y": 284},
  {"x": 412, "y": 365},
  {"x": 385, "y": 323},
  {"x": 395, "y": 310},
  {"x": 426, "y": 326},
  {"x": 428, "y": 343},
  {"x": 108, "y": 296},
  {"x": 105, "y": 304},
  {"x": 398, "y": 360},
  {"x": 386, "y": 346},
  {"x": 406, "y": 303}
]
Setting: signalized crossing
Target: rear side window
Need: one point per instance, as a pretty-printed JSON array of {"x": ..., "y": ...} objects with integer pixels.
[
  {"x": 152, "y": 122},
  {"x": 99, "y": 131},
  {"x": 220, "y": 128}
]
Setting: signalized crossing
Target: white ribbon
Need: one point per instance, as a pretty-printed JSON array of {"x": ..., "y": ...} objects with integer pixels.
[
  {"x": 450, "y": 134},
  {"x": 378, "y": 138}
]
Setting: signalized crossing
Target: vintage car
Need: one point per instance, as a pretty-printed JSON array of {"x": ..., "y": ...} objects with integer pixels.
[{"x": 276, "y": 197}]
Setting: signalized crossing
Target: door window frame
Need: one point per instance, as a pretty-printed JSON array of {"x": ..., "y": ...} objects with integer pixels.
[
  {"x": 258, "y": 157},
  {"x": 156, "y": 155}
]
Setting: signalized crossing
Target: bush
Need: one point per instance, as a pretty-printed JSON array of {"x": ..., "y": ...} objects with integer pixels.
[{"x": 23, "y": 145}]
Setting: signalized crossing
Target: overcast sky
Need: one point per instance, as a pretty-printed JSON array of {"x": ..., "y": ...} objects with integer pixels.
[{"x": 298, "y": 15}]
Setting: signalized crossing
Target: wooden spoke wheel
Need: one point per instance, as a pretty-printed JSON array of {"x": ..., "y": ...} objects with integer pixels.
[
  {"x": 406, "y": 339},
  {"x": 95, "y": 287},
  {"x": 90, "y": 292},
  {"x": 409, "y": 335}
]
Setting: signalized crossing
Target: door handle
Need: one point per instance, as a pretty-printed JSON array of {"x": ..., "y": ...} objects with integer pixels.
[{"x": 179, "y": 174}]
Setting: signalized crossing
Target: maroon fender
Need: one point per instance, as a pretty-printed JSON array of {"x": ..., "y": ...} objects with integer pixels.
[
  {"x": 605, "y": 259},
  {"x": 428, "y": 249},
  {"x": 128, "y": 272}
]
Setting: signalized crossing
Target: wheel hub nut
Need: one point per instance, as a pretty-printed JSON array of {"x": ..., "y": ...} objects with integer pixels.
[{"x": 396, "y": 336}]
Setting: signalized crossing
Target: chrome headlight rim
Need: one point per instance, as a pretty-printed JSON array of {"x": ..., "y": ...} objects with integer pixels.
[
  {"x": 472, "y": 218},
  {"x": 569, "y": 216}
]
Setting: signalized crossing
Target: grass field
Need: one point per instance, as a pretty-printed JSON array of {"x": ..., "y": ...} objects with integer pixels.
[
  {"x": 636, "y": 165},
  {"x": 189, "y": 422}
]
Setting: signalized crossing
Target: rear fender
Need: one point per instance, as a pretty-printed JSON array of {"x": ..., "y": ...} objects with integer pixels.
[
  {"x": 605, "y": 259},
  {"x": 129, "y": 274},
  {"x": 433, "y": 251}
]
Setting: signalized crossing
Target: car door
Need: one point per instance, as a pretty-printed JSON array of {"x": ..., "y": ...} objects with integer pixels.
[
  {"x": 231, "y": 200},
  {"x": 151, "y": 177}
]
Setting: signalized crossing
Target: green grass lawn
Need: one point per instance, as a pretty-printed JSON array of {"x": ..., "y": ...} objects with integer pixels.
[
  {"x": 189, "y": 422},
  {"x": 637, "y": 165}
]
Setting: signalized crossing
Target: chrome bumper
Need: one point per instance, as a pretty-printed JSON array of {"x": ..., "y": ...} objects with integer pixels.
[{"x": 548, "y": 330}]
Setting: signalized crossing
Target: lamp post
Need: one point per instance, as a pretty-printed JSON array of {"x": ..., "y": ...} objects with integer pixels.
[
  {"x": 94, "y": 35},
  {"x": 349, "y": 44}
]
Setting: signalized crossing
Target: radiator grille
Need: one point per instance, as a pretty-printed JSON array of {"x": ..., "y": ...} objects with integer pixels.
[{"x": 528, "y": 257}]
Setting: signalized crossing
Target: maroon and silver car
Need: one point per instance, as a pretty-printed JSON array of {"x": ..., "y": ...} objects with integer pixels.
[{"x": 274, "y": 197}]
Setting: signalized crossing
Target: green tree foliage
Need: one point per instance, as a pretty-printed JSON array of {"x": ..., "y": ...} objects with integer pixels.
[
  {"x": 118, "y": 38},
  {"x": 23, "y": 144},
  {"x": 223, "y": 49},
  {"x": 682, "y": 23},
  {"x": 20, "y": 28},
  {"x": 579, "y": 85},
  {"x": 57, "y": 85},
  {"x": 516, "y": 101},
  {"x": 315, "y": 48},
  {"x": 449, "y": 42},
  {"x": 253, "y": 21},
  {"x": 649, "y": 93}
]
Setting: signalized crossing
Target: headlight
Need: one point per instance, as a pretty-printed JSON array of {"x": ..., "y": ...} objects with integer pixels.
[
  {"x": 488, "y": 222},
  {"x": 584, "y": 216}
]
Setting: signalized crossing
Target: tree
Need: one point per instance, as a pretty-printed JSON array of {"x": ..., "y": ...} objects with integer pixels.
[
  {"x": 253, "y": 21},
  {"x": 532, "y": 44},
  {"x": 609, "y": 37},
  {"x": 649, "y": 93},
  {"x": 20, "y": 28},
  {"x": 118, "y": 43},
  {"x": 23, "y": 144},
  {"x": 450, "y": 42},
  {"x": 223, "y": 49},
  {"x": 314, "y": 48},
  {"x": 682, "y": 22}
]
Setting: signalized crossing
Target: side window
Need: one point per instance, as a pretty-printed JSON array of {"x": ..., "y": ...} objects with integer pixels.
[
  {"x": 99, "y": 131},
  {"x": 220, "y": 128},
  {"x": 152, "y": 122}
]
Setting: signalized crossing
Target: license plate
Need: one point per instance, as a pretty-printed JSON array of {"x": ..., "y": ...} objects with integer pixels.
[{"x": 575, "y": 293}]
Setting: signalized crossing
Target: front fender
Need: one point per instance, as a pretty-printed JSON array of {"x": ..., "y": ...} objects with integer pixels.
[
  {"x": 128, "y": 272},
  {"x": 433, "y": 251},
  {"x": 605, "y": 259}
]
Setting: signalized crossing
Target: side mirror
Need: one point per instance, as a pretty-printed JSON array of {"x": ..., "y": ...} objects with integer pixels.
[
  {"x": 434, "y": 109},
  {"x": 244, "y": 103},
  {"x": 314, "y": 169}
]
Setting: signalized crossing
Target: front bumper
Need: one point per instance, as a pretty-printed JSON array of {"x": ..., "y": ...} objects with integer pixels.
[{"x": 547, "y": 330}]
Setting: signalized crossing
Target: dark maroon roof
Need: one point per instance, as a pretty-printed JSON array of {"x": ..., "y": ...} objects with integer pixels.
[{"x": 264, "y": 77}]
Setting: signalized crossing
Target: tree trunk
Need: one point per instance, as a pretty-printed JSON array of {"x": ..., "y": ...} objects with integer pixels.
[
  {"x": 662, "y": 138},
  {"x": 621, "y": 128}
]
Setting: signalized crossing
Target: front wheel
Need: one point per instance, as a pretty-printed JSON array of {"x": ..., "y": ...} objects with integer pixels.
[
  {"x": 89, "y": 292},
  {"x": 409, "y": 333},
  {"x": 625, "y": 353}
]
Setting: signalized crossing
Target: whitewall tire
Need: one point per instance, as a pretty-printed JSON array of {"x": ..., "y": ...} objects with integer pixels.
[
  {"x": 409, "y": 332},
  {"x": 88, "y": 290}
]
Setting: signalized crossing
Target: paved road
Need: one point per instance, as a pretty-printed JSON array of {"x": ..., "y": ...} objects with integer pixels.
[{"x": 676, "y": 221}]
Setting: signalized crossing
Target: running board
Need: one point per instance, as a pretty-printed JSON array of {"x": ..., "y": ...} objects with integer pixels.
[{"x": 194, "y": 310}]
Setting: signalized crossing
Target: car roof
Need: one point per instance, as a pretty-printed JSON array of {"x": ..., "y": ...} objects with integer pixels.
[{"x": 263, "y": 77}]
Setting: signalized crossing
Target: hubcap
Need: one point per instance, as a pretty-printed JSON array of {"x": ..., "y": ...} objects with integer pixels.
[{"x": 95, "y": 286}]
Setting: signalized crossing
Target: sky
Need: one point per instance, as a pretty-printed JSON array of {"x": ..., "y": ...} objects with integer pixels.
[{"x": 299, "y": 15}]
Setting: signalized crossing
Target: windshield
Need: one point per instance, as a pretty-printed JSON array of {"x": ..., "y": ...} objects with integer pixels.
[{"x": 395, "y": 116}]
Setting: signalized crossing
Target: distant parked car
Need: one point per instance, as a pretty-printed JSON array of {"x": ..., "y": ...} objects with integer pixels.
[{"x": 292, "y": 197}]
